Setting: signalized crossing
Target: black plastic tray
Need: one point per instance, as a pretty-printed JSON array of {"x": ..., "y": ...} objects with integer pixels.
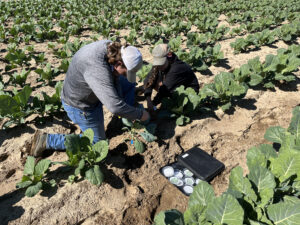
[{"x": 200, "y": 163}]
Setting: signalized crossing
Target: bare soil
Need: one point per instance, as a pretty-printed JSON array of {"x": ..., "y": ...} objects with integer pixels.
[{"x": 134, "y": 191}]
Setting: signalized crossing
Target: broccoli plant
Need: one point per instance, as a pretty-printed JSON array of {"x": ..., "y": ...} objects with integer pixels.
[
  {"x": 47, "y": 73},
  {"x": 64, "y": 65},
  {"x": 86, "y": 156},
  {"x": 182, "y": 104},
  {"x": 143, "y": 72},
  {"x": 15, "y": 108},
  {"x": 223, "y": 90},
  {"x": 49, "y": 104},
  {"x": 175, "y": 43},
  {"x": 137, "y": 129},
  {"x": 16, "y": 57},
  {"x": 40, "y": 58},
  {"x": 278, "y": 67},
  {"x": 193, "y": 58},
  {"x": 200, "y": 59},
  {"x": 20, "y": 78},
  {"x": 34, "y": 176},
  {"x": 132, "y": 37}
]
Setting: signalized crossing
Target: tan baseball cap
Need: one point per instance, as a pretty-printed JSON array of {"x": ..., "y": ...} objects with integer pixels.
[{"x": 159, "y": 54}]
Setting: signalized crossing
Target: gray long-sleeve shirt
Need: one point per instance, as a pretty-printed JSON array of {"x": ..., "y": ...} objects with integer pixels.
[{"x": 89, "y": 81}]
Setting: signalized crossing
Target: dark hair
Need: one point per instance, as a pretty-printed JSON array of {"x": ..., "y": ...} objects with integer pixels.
[
  {"x": 153, "y": 77},
  {"x": 114, "y": 52}
]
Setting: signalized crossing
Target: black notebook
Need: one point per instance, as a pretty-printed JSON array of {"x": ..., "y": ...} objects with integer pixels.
[{"x": 203, "y": 165}]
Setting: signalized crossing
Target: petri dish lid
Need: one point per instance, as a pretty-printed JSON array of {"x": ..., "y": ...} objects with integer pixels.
[
  {"x": 189, "y": 181},
  {"x": 168, "y": 171},
  {"x": 174, "y": 180},
  {"x": 188, "y": 189},
  {"x": 179, "y": 183},
  {"x": 178, "y": 174},
  {"x": 187, "y": 173}
]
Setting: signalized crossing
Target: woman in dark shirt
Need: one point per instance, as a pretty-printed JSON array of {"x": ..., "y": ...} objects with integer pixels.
[{"x": 167, "y": 74}]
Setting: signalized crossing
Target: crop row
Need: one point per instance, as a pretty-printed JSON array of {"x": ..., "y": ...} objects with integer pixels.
[
  {"x": 287, "y": 33},
  {"x": 26, "y": 20},
  {"x": 228, "y": 87}
]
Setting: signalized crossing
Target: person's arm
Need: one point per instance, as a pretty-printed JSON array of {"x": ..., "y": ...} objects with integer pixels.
[
  {"x": 100, "y": 80},
  {"x": 163, "y": 92},
  {"x": 148, "y": 93},
  {"x": 164, "y": 87}
]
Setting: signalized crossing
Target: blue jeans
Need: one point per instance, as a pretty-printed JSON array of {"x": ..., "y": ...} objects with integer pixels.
[{"x": 90, "y": 118}]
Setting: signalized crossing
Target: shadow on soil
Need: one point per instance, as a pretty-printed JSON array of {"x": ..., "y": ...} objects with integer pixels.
[
  {"x": 291, "y": 86},
  {"x": 166, "y": 125},
  {"x": 14, "y": 132},
  {"x": 114, "y": 127},
  {"x": 242, "y": 103},
  {"x": 9, "y": 212},
  {"x": 119, "y": 159},
  {"x": 223, "y": 63}
]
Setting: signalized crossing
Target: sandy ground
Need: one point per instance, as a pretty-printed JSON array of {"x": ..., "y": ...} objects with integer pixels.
[{"x": 134, "y": 191}]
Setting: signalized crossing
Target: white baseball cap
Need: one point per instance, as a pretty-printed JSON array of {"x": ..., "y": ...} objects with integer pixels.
[{"x": 133, "y": 61}]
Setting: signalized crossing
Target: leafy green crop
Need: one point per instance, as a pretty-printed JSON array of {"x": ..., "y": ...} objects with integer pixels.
[
  {"x": 20, "y": 78},
  {"x": 15, "y": 57},
  {"x": 49, "y": 104},
  {"x": 138, "y": 129},
  {"x": 200, "y": 59},
  {"x": 183, "y": 103},
  {"x": 86, "y": 156},
  {"x": 47, "y": 73},
  {"x": 269, "y": 194},
  {"x": 224, "y": 90},
  {"x": 33, "y": 179},
  {"x": 276, "y": 68},
  {"x": 143, "y": 72},
  {"x": 15, "y": 108}
]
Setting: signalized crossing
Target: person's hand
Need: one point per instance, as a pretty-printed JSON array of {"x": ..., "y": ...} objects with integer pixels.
[
  {"x": 151, "y": 107},
  {"x": 145, "y": 116}
]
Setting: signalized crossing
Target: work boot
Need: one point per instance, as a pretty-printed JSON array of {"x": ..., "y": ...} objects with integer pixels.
[{"x": 38, "y": 144}]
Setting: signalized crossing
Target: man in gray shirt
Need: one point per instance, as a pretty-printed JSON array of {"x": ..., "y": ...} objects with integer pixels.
[{"x": 96, "y": 76}]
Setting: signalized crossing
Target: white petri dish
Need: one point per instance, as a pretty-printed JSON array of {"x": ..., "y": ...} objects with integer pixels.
[
  {"x": 178, "y": 174},
  {"x": 188, "y": 189},
  {"x": 180, "y": 183},
  {"x": 187, "y": 173},
  {"x": 189, "y": 181},
  {"x": 168, "y": 171},
  {"x": 173, "y": 180},
  {"x": 198, "y": 181}
]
